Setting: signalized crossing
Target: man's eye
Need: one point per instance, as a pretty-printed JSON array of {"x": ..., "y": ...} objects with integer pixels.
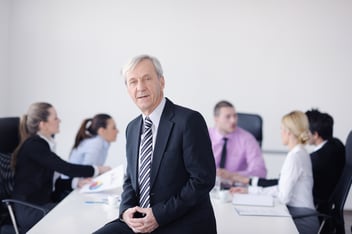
[{"x": 132, "y": 82}]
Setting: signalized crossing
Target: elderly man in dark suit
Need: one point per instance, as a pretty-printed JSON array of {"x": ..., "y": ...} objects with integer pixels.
[{"x": 170, "y": 164}]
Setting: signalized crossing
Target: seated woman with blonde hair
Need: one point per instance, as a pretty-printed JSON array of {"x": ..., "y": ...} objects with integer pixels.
[{"x": 295, "y": 184}]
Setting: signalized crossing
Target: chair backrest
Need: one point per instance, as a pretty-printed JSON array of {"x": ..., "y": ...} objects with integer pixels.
[
  {"x": 253, "y": 123},
  {"x": 9, "y": 139},
  {"x": 9, "y": 134},
  {"x": 342, "y": 188}
]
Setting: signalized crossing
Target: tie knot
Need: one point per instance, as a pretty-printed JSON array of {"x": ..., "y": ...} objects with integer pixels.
[
  {"x": 225, "y": 139},
  {"x": 147, "y": 123}
]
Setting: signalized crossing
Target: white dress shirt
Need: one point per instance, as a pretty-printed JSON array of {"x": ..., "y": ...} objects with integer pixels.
[{"x": 295, "y": 182}]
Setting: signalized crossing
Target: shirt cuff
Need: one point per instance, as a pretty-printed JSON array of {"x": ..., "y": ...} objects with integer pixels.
[
  {"x": 254, "y": 181},
  {"x": 74, "y": 183},
  {"x": 254, "y": 190},
  {"x": 96, "y": 170}
]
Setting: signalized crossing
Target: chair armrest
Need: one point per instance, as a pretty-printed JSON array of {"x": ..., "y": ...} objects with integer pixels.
[
  {"x": 315, "y": 213},
  {"x": 14, "y": 201}
]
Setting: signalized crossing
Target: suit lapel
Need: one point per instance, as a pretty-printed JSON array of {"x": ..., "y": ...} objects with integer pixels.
[
  {"x": 164, "y": 131},
  {"x": 135, "y": 136}
]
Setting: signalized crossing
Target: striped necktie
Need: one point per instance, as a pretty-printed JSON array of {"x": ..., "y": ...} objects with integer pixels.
[{"x": 145, "y": 164}]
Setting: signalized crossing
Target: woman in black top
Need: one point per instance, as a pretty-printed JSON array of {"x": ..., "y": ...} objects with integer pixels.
[{"x": 35, "y": 162}]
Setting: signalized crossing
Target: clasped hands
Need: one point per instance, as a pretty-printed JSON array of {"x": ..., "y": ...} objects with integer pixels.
[{"x": 145, "y": 224}]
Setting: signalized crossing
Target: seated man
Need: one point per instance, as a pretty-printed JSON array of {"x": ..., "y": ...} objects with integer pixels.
[
  {"x": 328, "y": 157},
  {"x": 235, "y": 150}
]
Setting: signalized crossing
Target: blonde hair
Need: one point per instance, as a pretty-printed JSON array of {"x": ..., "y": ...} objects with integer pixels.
[{"x": 297, "y": 123}]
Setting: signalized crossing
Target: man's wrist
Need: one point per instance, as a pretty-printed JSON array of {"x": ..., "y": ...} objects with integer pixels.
[{"x": 121, "y": 216}]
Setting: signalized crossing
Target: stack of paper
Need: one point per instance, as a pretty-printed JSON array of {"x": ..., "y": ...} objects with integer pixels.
[
  {"x": 252, "y": 200},
  {"x": 109, "y": 180},
  {"x": 263, "y": 211}
]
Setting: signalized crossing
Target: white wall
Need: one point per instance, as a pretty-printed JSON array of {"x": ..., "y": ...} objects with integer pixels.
[
  {"x": 268, "y": 57},
  {"x": 4, "y": 55}
]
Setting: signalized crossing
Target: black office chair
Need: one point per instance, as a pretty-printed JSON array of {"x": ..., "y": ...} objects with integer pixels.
[
  {"x": 253, "y": 123},
  {"x": 338, "y": 198},
  {"x": 9, "y": 139},
  {"x": 342, "y": 190}
]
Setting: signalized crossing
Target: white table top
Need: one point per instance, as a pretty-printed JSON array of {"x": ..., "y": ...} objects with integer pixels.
[{"x": 73, "y": 215}]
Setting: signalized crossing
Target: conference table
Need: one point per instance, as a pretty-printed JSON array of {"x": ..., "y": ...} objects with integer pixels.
[{"x": 86, "y": 212}]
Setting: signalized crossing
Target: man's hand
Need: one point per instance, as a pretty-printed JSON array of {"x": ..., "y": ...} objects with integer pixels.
[
  {"x": 232, "y": 176},
  {"x": 145, "y": 224},
  {"x": 238, "y": 190},
  {"x": 224, "y": 174}
]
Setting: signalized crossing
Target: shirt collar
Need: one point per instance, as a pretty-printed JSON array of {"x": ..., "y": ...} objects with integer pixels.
[
  {"x": 104, "y": 142},
  {"x": 318, "y": 147},
  {"x": 220, "y": 137},
  {"x": 50, "y": 141},
  {"x": 156, "y": 114}
]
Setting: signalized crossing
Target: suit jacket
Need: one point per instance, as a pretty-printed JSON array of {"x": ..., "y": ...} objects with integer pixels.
[
  {"x": 182, "y": 172},
  {"x": 35, "y": 168},
  {"x": 328, "y": 163}
]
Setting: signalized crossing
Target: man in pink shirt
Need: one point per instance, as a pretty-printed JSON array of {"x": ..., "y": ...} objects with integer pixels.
[{"x": 235, "y": 150}]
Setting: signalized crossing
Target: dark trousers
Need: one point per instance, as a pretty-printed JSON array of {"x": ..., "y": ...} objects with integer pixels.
[{"x": 114, "y": 227}]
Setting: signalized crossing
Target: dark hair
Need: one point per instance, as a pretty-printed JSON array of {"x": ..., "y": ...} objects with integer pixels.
[
  {"x": 29, "y": 124},
  {"x": 221, "y": 104},
  {"x": 321, "y": 123},
  {"x": 89, "y": 127}
]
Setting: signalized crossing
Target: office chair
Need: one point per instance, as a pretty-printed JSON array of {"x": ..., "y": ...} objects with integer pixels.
[
  {"x": 338, "y": 198},
  {"x": 9, "y": 139},
  {"x": 8, "y": 142},
  {"x": 342, "y": 190},
  {"x": 253, "y": 123}
]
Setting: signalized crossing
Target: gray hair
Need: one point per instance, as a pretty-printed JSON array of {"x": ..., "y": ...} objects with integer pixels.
[{"x": 136, "y": 60}]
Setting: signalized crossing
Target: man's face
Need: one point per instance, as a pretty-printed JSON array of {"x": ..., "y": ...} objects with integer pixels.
[
  {"x": 313, "y": 138},
  {"x": 145, "y": 87},
  {"x": 226, "y": 120}
]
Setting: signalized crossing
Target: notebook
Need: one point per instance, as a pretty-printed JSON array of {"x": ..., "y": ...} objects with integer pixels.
[
  {"x": 280, "y": 211},
  {"x": 252, "y": 200}
]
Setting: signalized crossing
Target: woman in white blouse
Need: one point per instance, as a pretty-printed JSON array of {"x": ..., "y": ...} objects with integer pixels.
[{"x": 295, "y": 185}]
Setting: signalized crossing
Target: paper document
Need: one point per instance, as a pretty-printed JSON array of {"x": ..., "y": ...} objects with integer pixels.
[
  {"x": 252, "y": 200},
  {"x": 263, "y": 211},
  {"x": 109, "y": 180}
]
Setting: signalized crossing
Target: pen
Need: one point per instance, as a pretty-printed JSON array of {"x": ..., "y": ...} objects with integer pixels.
[{"x": 95, "y": 202}]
